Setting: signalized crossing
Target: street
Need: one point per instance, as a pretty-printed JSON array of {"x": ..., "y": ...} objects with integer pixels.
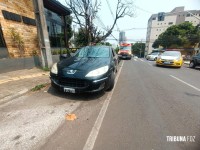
[{"x": 149, "y": 109}]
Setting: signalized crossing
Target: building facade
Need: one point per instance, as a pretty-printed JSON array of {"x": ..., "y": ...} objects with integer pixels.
[
  {"x": 158, "y": 23},
  {"x": 122, "y": 37},
  {"x": 18, "y": 31}
]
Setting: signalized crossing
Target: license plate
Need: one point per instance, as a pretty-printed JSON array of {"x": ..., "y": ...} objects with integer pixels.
[
  {"x": 123, "y": 56},
  {"x": 166, "y": 62},
  {"x": 69, "y": 90}
]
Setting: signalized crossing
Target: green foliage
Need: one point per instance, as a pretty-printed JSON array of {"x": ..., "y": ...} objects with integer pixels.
[
  {"x": 184, "y": 35},
  {"x": 69, "y": 28},
  {"x": 46, "y": 69},
  {"x": 35, "y": 53},
  {"x": 138, "y": 49},
  {"x": 38, "y": 87},
  {"x": 18, "y": 41},
  {"x": 80, "y": 38},
  {"x": 117, "y": 49},
  {"x": 63, "y": 51}
]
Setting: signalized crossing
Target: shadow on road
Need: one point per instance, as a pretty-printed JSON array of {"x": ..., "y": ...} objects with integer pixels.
[
  {"x": 76, "y": 96},
  {"x": 192, "y": 95},
  {"x": 169, "y": 67},
  {"x": 196, "y": 68}
]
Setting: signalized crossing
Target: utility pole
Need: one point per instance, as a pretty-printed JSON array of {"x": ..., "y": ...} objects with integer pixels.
[{"x": 42, "y": 33}]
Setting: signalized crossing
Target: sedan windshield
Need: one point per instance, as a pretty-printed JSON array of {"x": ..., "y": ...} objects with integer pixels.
[
  {"x": 93, "y": 51},
  {"x": 171, "y": 53},
  {"x": 154, "y": 53},
  {"x": 125, "y": 48}
]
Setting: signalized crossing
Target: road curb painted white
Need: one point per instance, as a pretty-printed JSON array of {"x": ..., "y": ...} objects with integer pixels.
[{"x": 95, "y": 130}]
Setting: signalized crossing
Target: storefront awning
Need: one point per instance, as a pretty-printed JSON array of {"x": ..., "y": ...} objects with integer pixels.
[{"x": 56, "y": 7}]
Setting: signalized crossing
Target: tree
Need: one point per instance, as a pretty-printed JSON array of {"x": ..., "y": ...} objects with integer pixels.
[
  {"x": 85, "y": 11},
  {"x": 138, "y": 49},
  {"x": 184, "y": 35},
  {"x": 69, "y": 31},
  {"x": 80, "y": 38}
]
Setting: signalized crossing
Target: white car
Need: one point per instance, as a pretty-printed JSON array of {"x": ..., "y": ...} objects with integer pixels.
[{"x": 153, "y": 56}]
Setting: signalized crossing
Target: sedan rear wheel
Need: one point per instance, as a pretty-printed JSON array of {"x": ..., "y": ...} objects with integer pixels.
[{"x": 192, "y": 64}]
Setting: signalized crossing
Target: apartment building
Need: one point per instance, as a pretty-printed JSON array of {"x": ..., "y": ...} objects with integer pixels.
[{"x": 158, "y": 23}]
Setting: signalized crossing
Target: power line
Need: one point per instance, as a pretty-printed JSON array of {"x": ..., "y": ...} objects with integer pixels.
[
  {"x": 104, "y": 27},
  {"x": 143, "y": 10},
  {"x": 112, "y": 13}
]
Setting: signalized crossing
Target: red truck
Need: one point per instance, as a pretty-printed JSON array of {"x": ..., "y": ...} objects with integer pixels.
[{"x": 125, "y": 51}]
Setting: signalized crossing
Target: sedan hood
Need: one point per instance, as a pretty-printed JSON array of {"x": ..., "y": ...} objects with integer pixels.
[
  {"x": 81, "y": 65},
  {"x": 169, "y": 57}
]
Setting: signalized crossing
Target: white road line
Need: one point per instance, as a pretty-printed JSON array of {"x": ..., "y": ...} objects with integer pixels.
[
  {"x": 95, "y": 130},
  {"x": 185, "y": 83}
]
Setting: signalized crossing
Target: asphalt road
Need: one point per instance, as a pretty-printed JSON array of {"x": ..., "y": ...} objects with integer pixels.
[{"x": 149, "y": 106}]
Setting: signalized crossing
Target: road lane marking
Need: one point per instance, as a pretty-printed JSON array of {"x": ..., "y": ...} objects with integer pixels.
[
  {"x": 95, "y": 129},
  {"x": 185, "y": 83}
]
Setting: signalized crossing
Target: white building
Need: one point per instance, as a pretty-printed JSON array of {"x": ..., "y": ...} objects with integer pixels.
[
  {"x": 158, "y": 23},
  {"x": 122, "y": 37}
]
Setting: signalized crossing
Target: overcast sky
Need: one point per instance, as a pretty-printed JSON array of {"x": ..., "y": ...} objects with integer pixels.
[{"x": 143, "y": 10}]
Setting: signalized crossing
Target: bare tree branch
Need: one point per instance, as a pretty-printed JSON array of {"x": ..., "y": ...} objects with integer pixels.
[{"x": 85, "y": 11}]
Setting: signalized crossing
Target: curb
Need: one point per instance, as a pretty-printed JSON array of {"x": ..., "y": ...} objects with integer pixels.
[
  {"x": 8, "y": 99},
  {"x": 187, "y": 62}
]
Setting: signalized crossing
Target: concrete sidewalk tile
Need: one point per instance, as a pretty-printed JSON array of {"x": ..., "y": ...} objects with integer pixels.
[{"x": 17, "y": 83}]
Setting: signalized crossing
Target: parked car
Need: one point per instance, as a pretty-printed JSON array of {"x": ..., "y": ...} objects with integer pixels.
[
  {"x": 153, "y": 56},
  {"x": 195, "y": 61},
  {"x": 170, "y": 58},
  {"x": 91, "y": 69}
]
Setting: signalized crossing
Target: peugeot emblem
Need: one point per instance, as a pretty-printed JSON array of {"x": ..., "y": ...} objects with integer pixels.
[{"x": 71, "y": 71}]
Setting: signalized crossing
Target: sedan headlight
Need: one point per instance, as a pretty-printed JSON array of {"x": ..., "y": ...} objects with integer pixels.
[
  {"x": 97, "y": 72},
  {"x": 159, "y": 58},
  {"x": 54, "y": 69},
  {"x": 177, "y": 59}
]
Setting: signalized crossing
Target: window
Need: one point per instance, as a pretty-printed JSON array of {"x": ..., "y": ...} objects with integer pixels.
[
  {"x": 153, "y": 18},
  {"x": 11, "y": 16},
  {"x": 170, "y": 23},
  {"x": 28, "y": 21},
  {"x": 161, "y": 16},
  {"x": 188, "y": 15}
]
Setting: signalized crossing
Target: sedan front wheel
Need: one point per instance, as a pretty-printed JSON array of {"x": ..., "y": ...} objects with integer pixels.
[
  {"x": 111, "y": 82},
  {"x": 192, "y": 64}
]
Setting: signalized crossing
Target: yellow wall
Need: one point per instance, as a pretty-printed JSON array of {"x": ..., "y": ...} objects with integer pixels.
[{"x": 27, "y": 32}]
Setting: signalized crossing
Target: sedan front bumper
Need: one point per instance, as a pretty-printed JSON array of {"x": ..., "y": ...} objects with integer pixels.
[
  {"x": 172, "y": 63},
  {"x": 73, "y": 85}
]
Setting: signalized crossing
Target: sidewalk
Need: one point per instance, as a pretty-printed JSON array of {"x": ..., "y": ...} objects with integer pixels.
[{"x": 16, "y": 83}]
